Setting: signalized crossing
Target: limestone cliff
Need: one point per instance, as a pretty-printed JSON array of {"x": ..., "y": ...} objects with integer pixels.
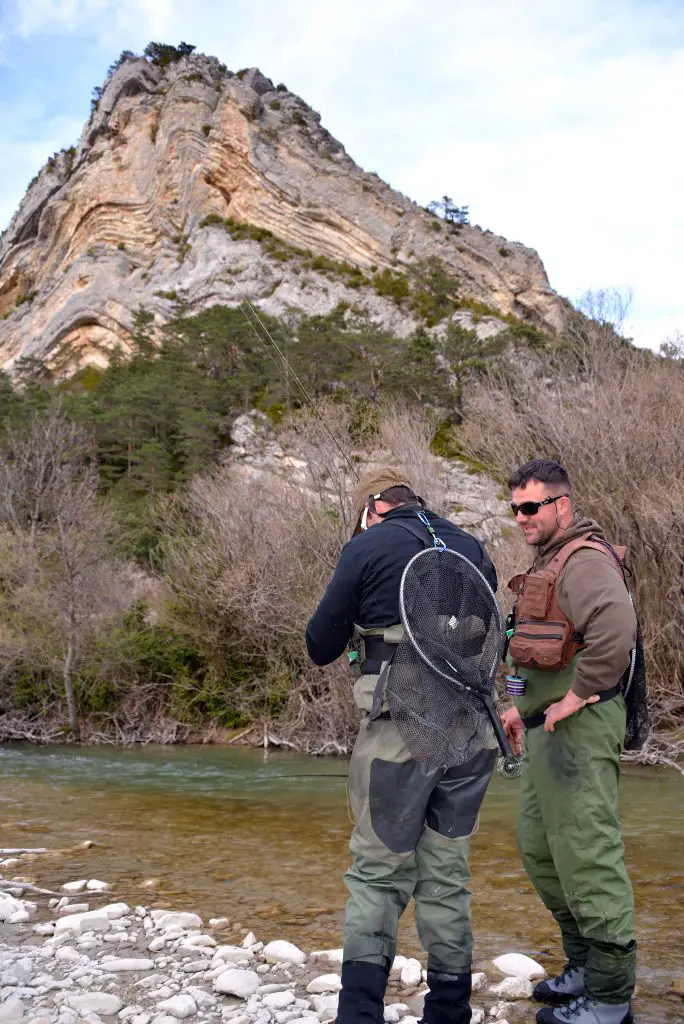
[{"x": 120, "y": 220}]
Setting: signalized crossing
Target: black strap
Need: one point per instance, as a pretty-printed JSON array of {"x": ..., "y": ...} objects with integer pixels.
[
  {"x": 540, "y": 718},
  {"x": 378, "y": 649},
  {"x": 416, "y": 528}
]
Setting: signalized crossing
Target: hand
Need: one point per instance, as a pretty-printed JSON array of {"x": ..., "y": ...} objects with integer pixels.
[
  {"x": 514, "y": 729},
  {"x": 564, "y": 708}
]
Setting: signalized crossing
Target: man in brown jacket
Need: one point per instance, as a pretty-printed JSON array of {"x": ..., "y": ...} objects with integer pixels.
[{"x": 571, "y": 651}]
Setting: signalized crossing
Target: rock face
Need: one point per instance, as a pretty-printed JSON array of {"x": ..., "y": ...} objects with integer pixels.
[{"x": 117, "y": 222}]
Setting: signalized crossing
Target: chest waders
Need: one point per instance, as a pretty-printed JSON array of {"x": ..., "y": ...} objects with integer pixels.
[
  {"x": 570, "y": 838},
  {"x": 412, "y": 824}
]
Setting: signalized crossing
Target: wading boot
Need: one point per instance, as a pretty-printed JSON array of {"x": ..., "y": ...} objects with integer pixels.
[
  {"x": 362, "y": 997},
  {"x": 584, "y": 1010},
  {"x": 448, "y": 1001},
  {"x": 561, "y": 989}
]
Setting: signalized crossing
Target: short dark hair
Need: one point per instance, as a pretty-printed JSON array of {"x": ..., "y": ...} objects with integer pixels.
[
  {"x": 399, "y": 495},
  {"x": 544, "y": 471}
]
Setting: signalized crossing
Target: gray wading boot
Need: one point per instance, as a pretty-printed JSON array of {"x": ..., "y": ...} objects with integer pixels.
[
  {"x": 584, "y": 1010},
  {"x": 448, "y": 1001},
  {"x": 362, "y": 997},
  {"x": 562, "y": 989}
]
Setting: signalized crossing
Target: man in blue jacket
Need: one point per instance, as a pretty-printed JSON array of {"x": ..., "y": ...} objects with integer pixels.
[{"x": 412, "y": 822}]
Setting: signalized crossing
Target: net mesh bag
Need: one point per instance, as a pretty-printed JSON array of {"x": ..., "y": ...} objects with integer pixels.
[
  {"x": 452, "y": 640},
  {"x": 636, "y": 699}
]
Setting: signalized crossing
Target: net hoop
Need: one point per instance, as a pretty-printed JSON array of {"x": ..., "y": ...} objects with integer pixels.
[{"x": 409, "y": 632}]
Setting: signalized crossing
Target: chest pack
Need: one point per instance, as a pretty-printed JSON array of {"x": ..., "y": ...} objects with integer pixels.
[{"x": 544, "y": 638}]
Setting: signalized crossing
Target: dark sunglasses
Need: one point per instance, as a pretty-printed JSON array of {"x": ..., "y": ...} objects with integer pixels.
[{"x": 530, "y": 508}]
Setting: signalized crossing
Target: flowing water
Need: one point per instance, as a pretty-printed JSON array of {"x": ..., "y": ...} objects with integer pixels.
[{"x": 261, "y": 838}]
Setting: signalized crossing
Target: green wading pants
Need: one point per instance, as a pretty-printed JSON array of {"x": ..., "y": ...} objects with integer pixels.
[
  {"x": 410, "y": 838},
  {"x": 571, "y": 843}
]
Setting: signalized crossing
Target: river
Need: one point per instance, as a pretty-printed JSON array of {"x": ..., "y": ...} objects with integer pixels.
[{"x": 261, "y": 837}]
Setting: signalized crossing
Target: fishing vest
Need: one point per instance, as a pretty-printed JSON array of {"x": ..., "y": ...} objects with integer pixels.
[{"x": 544, "y": 638}]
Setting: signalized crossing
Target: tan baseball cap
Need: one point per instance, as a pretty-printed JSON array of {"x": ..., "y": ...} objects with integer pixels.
[{"x": 375, "y": 481}]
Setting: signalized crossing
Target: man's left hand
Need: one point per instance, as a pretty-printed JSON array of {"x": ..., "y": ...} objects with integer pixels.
[{"x": 564, "y": 708}]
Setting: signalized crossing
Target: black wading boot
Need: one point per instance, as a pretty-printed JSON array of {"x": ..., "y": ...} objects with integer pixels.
[
  {"x": 362, "y": 997},
  {"x": 448, "y": 1001}
]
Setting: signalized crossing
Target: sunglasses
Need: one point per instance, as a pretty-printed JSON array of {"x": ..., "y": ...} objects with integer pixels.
[{"x": 530, "y": 508}]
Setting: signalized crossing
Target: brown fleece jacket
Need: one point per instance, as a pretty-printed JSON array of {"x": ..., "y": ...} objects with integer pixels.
[{"x": 593, "y": 595}]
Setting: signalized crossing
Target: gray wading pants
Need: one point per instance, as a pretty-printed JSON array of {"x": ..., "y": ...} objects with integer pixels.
[{"x": 410, "y": 838}]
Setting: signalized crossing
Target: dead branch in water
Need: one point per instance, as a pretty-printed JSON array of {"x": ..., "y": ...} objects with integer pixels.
[
  {"x": 11, "y": 851},
  {"x": 7, "y": 886}
]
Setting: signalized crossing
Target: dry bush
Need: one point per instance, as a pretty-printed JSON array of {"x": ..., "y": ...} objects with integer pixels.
[
  {"x": 60, "y": 583},
  {"x": 248, "y": 561},
  {"x": 614, "y": 417},
  {"x": 406, "y": 435}
]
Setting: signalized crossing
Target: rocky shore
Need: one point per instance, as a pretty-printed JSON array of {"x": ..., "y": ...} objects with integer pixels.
[{"x": 83, "y": 956}]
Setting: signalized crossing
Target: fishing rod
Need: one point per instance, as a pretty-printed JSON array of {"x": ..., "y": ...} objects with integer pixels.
[{"x": 247, "y": 305}]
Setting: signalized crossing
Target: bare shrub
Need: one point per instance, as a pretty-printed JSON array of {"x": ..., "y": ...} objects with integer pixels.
[
  {"x": 614, "y": 417},
  {"x": 59, "y": 581},
  {"x": 247, "y": 563}
]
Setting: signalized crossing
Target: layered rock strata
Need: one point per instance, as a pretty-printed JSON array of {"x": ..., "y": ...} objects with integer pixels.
[{"x": 119, "y": 221}]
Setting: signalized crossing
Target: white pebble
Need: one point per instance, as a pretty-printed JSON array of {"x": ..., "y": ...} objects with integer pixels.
[
  {"x": 75, "y": 886},
  {"x": 129, "y": 1011},
  {"x": 398, "y": 965},
  {"x": 95, "y": 1002},
  {"x": 513, "y": 988},
  {"x": 129, "y": 964},
  {"x": 333, "y": 956},
  {"x": 325, "y": 983},
  {"x": 166, "y": 920},
  {"x": 20, "y": 917},
  {"x": 283, "y": 952},
  {"x": 47, "y": 928},
  {"x": 115, "y": 911},
  {"x": 411, "y": 973},
  {"x": 236, "y": 982},
  {"x": 67, "y": 953},
  {"x": 518, "y": 965},
  {"x": 12, "y": 1011},
  {"x": 279, "y": 1000},
  {"x": 480, "y": 982},
  {"x": 95, "y": 885},
  {"x": 179, "y": 1006}
]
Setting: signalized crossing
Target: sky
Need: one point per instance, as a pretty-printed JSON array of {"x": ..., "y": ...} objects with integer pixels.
[{"x": 558, "y": 123}]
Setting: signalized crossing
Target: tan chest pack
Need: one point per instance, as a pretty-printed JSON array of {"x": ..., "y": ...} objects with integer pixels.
[{"x": 544, "y": 638}]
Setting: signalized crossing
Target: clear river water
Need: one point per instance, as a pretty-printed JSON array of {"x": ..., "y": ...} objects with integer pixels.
[{"x": 261, "y": 838}]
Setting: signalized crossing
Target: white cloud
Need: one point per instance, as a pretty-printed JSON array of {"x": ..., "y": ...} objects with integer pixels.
[{"x": 555, "y": 122}]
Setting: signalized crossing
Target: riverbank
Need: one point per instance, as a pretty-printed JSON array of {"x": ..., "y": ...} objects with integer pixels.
[
  {"x": 663, "y": 749},
  {"x": 80, "y": 954},
  {"x": 83, "y": 955}
]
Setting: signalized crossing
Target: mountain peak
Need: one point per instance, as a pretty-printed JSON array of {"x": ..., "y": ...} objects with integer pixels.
[{"x": 194, "y": 184}]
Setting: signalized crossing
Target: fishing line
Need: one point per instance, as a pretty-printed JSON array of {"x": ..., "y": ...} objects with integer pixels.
[{"x": 247, "y": 303}]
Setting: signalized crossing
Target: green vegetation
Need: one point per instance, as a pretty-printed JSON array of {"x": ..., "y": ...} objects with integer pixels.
[
  {"x": 275, "y": 104},
  {"x": 163, "y": 54},
  {"x": 206, "y": 128},
  {"x": 27, "y": 298},
  {"x": 449, "y": 211},
  {"x": 144, "y": 429}
]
